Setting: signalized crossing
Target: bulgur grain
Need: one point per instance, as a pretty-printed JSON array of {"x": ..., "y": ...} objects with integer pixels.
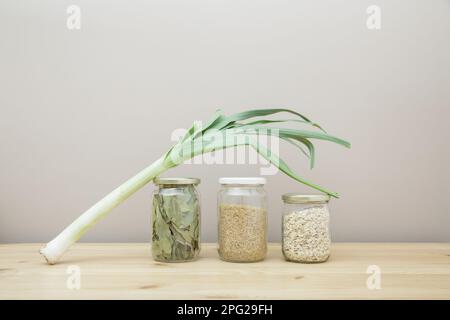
[{"x": 242, "y": 233}]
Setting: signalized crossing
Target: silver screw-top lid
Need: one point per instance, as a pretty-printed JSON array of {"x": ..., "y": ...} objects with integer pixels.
[
  {"x": 162, "y": 181},
  {"x": 305, "y": 198}
]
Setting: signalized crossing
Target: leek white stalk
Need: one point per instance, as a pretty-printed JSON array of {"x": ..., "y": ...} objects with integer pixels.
[
  {"x": 196, "y": 142},
  {"x": 72, "y": 233}
]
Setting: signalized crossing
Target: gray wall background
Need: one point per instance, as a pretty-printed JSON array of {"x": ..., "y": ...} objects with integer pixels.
[{"x": 81, "y": 111}]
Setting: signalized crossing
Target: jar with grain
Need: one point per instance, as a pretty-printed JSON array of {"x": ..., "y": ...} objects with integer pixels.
[
  {"x": 306, "y": 228},
  {"x": 242, "y": 219},
  {"x": 176, "y": 220}
]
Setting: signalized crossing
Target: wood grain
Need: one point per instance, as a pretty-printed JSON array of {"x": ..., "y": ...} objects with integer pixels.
[{"x": 126, "y": 271}]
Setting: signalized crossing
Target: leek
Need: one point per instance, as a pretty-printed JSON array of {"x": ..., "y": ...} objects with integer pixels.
[{"x": 198, "y": 140}]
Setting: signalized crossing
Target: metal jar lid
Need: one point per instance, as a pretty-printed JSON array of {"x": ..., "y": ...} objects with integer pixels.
[
  {"x": 305, "y": 198},
  {"x": 162, "y": 181}
]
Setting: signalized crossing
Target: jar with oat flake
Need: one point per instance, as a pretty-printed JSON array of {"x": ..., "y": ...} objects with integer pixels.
[
  {"x": 306, "y": 228},
  {"x": 242, "y": 219}
]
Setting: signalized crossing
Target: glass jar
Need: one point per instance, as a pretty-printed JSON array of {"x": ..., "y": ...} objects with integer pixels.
[
  {"x": 176, "y": 220},
  {"x": 306, "y": 228},
  {"x": 242, "y": 219}
]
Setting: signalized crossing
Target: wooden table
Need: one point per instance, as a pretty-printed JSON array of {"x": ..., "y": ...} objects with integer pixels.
[{"x": 126, "y": 271}]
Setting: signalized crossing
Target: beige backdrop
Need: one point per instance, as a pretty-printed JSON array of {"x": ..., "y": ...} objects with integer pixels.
[{"x": 83, "y": 110}]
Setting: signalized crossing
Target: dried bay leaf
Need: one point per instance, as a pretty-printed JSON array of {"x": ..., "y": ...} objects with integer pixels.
[{"x": 176, "y": 219}]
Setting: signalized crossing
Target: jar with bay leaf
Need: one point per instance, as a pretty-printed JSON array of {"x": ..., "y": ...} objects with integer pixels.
[{"x": 176, "y": 220}]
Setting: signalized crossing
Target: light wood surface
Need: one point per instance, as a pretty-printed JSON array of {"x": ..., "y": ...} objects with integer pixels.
[{"x": 127, "y": 271}]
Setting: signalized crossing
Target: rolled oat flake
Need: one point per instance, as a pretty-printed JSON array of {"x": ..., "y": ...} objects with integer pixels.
[{"x": 306, "y": 228}]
